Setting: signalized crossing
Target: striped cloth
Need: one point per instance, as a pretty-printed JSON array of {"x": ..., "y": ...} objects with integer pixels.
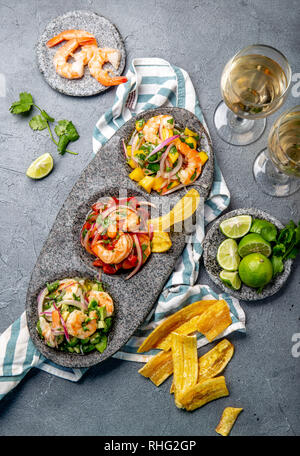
[{"x": 151, "y": 83}]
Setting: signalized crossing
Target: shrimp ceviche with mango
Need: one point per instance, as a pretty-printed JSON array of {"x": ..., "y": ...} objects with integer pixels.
[
  {"x": 75, "y": 315},
  {"x": 163, "y": 156},
  {"x": 117, "y": 232},
  {"x": 83, "y": 48}
]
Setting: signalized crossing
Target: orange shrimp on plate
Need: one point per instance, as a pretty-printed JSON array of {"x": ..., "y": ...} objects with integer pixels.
[{"x": 68, "y": 35}]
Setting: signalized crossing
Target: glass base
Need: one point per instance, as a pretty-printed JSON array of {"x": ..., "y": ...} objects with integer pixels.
[
  {"x": 236, "y": 130},
  {"x": 270, "y": 180}
]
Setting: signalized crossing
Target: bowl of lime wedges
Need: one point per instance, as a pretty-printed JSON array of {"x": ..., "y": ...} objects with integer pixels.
[{"x": 243, "y": 253}]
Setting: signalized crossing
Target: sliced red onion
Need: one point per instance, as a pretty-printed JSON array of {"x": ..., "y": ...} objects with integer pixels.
[
  {"x": 63, "y": 323},
  {"x": 40, "y": 300},
  {"x": 162, "y": 162},
  {"x": 177, "y": 167},
  {"x": 73, "y": 302},
  {"x": 163, "y": 144},
  {"x": 139, "y": 255},
  {"x": 146, "y": 203}
]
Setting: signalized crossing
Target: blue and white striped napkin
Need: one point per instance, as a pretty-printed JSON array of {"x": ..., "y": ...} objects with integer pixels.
[{"x": 152, "y": 83}]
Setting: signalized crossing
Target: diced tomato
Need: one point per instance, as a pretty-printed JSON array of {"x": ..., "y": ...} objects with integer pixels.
[
  {"x": 86, "y": 226},
  {"x": 130, "y": 262},
  {"x": 111, "y": 268},
  {"x": 98, "y": 263}
]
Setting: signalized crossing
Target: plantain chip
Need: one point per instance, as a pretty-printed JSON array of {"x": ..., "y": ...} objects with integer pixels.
[
  {"x": 214, "y": 320},
  {"x": 203, "y": 392},
  {"x": 227, "y": 420},
  {"x": 159, "y": 368},
  {"x": 187, "y": 328},
  {"x": 182, "y": 210},
  {"x": 172, "y": 322},
  {"x": 214, "y": 361},
  {"x": 185, "y": 364},
  {"x": 161, "y": 242}
]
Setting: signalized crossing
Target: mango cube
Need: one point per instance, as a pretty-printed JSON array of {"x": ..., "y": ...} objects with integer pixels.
[
  {"x": 137, "y": 174},
  {"x": 147, "y": 183},
  {"x": 158, "y": 183},
  {"x": 203, "y": 156}
]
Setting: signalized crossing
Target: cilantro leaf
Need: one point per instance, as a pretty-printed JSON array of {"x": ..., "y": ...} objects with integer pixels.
[
  {"x": 38, "y": 123},
  {"x": 24, "y": 103},
  {"x": 47, "y": 117},
  {"x": 277, "y": 264},
  {"x": 66, "y": 132},
  {"x": 278, "y": 250},
  {"x": 266, "y": 229}
]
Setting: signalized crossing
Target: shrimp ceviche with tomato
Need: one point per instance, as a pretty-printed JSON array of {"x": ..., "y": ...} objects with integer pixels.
[
  {"x": 75, "y": 315},
  {"x": 163, "y": 156},
  {"x": 116, "y": 232}
]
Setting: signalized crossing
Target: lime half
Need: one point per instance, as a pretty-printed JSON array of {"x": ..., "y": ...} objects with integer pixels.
[
  {"x": 236, "y": 227},
  {"x": 227, "y": 256},
  {"x": 254, "y": 243},
  {"x": 231, "y": 279},
  {"x": 40, "y": 167}
]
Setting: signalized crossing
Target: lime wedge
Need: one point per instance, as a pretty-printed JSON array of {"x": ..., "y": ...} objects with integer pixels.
[
  {"x": 254, "y": 243},
  {"x": 40, "y": 167},
  {"x": 231, "y": 279},
  {"x": 236, "y": 227},
  {"x": 227, "y": 256}
]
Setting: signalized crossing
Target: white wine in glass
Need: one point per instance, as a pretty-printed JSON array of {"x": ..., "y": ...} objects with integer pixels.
[
  {"x": 279, "y": 173},
  {"x": 254, "y": 84}
]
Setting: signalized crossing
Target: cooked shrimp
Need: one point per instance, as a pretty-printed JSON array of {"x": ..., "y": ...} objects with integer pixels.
[
  {"x": 120, "y": 251},
  {"x": 47, "y": 333},
  {"x": 152, "y": 125},
  {"x": 69, "y": 35},
  {"x": 127, "y": 218},
  {"x": 193, "y": 169},
  {"x": 81, "y": 325},
  {"x": 103, "y": 299},
  {"x": 67, "y": 70},
  {"x": 86, "y": 53},
  {"x": 99, "y": 58}
]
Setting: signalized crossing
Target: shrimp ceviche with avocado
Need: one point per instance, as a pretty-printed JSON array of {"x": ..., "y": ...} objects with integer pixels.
[
  {"x": 75, "y": 315},
  {"x": 163, "y": 156},
  {"x": 117, "y": 233}
]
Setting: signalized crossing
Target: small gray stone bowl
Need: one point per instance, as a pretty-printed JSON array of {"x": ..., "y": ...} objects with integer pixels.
[
  {"x": 213, "y": 239},
  {"x": 107, "y": 35}
]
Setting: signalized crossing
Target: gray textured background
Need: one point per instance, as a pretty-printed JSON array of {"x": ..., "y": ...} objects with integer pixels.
[{"x": 199, "y": 36}]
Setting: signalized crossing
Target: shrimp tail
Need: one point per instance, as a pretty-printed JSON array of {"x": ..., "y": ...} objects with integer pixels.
[
  {"x": 104, "y": 78},
  {"x": 68, "y": 35}
]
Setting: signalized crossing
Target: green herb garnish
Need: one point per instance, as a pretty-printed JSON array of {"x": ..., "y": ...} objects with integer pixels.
[{"x": 64, "y": 129}]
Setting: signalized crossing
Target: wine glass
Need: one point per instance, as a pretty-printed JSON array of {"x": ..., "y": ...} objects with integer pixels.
[
  {"x": 278, "y": 172},
  {"x": 254, "y": 84}
]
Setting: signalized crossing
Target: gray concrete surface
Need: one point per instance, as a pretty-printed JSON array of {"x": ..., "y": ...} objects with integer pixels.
[{"x": 112, "y": 399}]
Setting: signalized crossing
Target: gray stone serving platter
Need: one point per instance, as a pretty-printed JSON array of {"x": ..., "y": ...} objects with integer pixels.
[
  {"x": 62, "y": 255},
  {"x": 213, "y": 239},
  {"x": 107, "y": 35}
]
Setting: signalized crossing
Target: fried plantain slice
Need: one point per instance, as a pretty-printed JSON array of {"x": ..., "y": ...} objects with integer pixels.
[
  {"x": 172, "y": 322},
  {"x": 214, "y": 320},
  {"x": 227, "y": 420},
  {"x": 159, "y": 368},
  {"x": 185, "y": 364},
  {"x": 187, "y": 328},
  {"x": 214, "y": 361},
  {"x": 204, "y": 392},
  {"x": 182, "y": 210}
]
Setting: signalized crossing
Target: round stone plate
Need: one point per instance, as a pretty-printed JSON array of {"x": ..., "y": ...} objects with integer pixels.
[
  {"x": 214, "y": 238},
  {"x": 182, "y": 118},
  {"x": 107, "y": 35}
]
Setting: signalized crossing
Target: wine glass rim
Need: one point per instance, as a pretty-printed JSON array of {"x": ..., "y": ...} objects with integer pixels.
[
  {"x": 288, "y": 77},
  {"x": 281, "y": 118}
]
